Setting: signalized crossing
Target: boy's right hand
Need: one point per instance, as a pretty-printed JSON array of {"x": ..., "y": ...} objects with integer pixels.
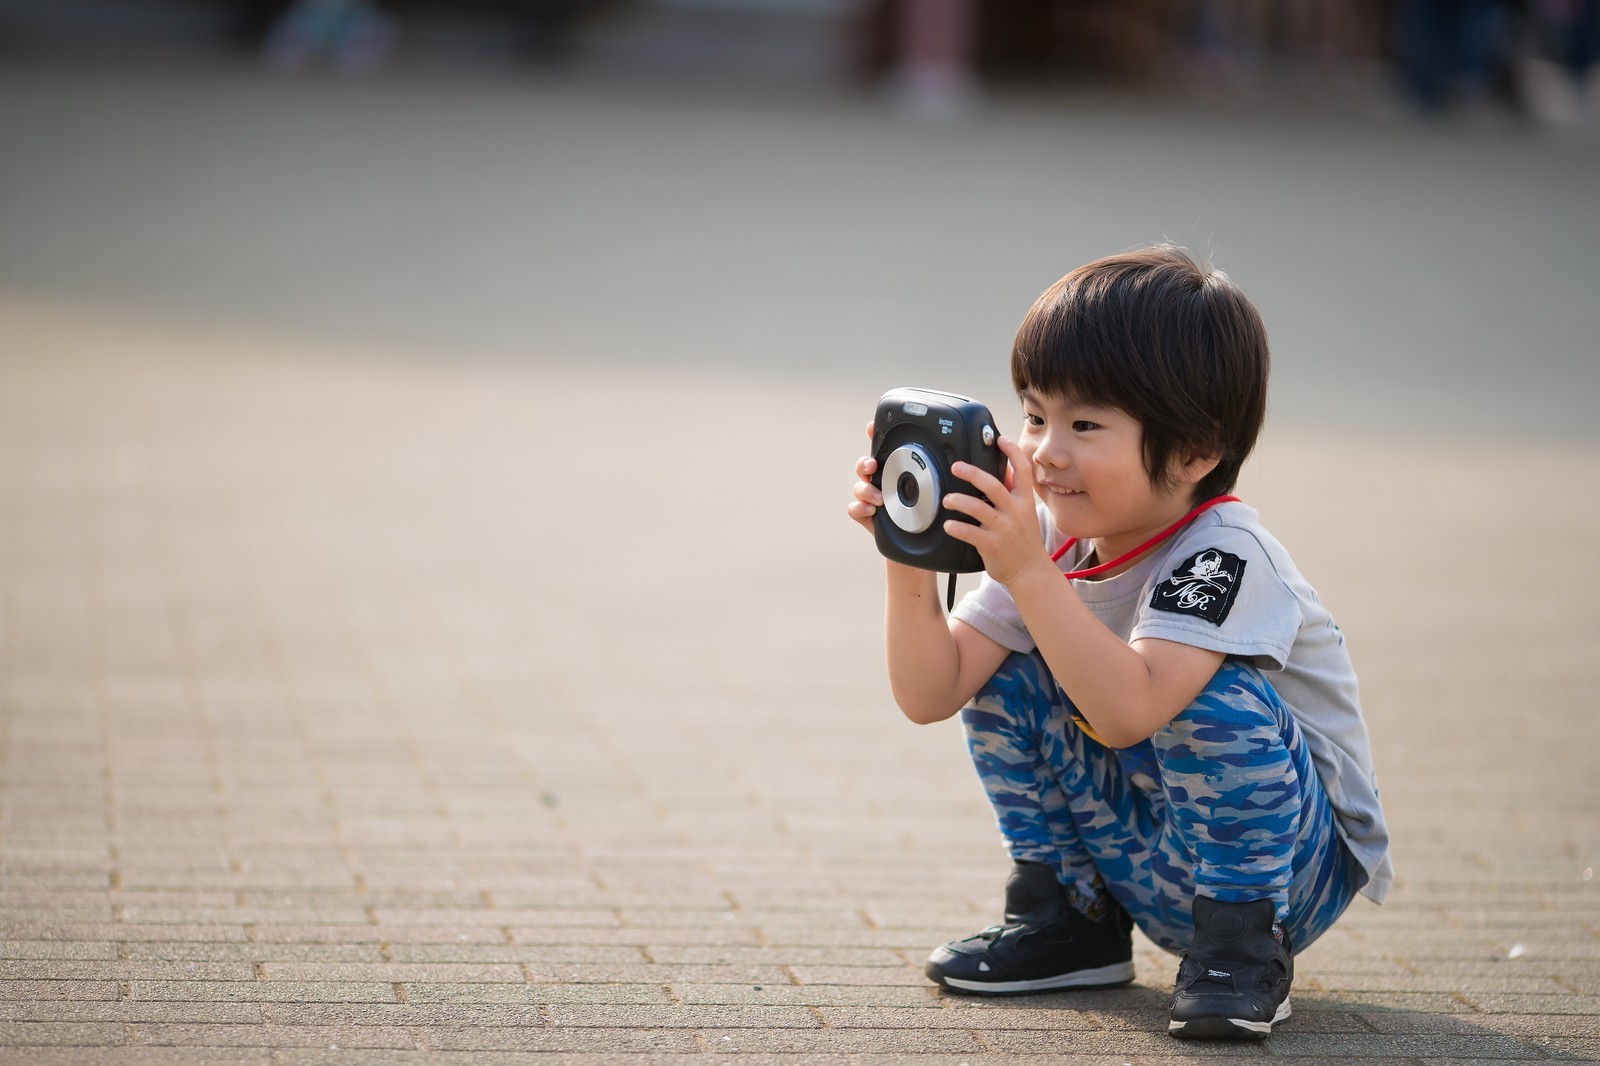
[{"x": 867, "y": 497}]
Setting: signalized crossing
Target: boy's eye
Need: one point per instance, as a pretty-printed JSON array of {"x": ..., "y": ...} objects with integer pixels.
[
  {"x": 1084, "y": 426},
  {"x": 1032, "y": 419}
]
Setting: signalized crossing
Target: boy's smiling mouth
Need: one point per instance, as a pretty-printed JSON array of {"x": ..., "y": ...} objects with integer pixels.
[{"x": 1057, "y": 490}]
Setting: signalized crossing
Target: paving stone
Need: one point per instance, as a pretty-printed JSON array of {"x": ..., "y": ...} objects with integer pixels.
[
  {"x": 308, "y": 1057},
  {"x": 511, "y": 953},
  {"x": 838, "y": 1041},
  {"x": 1536, "y": 1025},
  {"x": 132, "y": 1056},
  {"x": 403, "y": 1014},
  {"x": 611, "y": 993},
  {"x": 346, "y": 934},
  {"x": 806, "y": 995},
  {"x": 56, "y": 949},
  {"x": 1383, "y": 1045},
  {"x": 265, "y": 991},
  {"x": 1555, "y": 1003},
  {"x": 61, "y": 1034},
  {"x": 275, "y": 1036},
  {"x": 734, "y": 955},
  {"x": 461, "y": 992},
  {"x": 461, "y": 973},
  {"x": 1569, "y": 1048},
  {"x": 118, "y": 970},
  {"x": 629, "y": 1042},
  {"x": 882, "y": 976},
  {"x": 601, "y": 972},
  {"x": 958, "y": 1017},
  {"x": 687, "y": 1016},
  {"x": 254, "y": 952},
  {"x": 57, "y": 990}
]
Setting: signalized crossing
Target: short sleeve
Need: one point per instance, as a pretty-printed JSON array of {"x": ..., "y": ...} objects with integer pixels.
[
  {"x": 1218, "y": 589},
  {"x": 990, "y": 610}
]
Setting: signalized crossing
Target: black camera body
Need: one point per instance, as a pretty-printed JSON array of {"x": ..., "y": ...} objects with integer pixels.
[{"x": 917, "y": 435}]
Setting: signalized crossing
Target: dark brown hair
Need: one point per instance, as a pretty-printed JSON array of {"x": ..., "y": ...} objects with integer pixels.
[{"x": 1170, "y": 342}]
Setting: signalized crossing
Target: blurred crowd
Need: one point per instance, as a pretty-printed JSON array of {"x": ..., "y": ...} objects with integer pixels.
[{"x": 1535, "y": 58}]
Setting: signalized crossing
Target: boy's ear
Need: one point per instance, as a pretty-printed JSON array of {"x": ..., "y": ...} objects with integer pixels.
[{"x": 1194, "y": 466}]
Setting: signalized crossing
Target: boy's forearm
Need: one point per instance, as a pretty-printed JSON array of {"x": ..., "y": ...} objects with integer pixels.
[
  {"x": 1107, "y": 680},
  {"x": 922, "y": 656}
]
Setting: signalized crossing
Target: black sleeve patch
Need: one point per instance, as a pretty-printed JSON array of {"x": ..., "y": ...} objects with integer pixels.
[{"x": 1204, "y": 585}]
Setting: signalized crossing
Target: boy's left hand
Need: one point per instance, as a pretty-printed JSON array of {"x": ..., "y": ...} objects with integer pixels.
[{"x": 1007, "y": 534}]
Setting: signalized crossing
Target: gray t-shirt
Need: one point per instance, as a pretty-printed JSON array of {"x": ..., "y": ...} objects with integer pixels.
[{"x": 1225, "y": 584}]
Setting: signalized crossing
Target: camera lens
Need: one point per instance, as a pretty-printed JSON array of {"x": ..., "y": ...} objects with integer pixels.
[
  {"x": 908, "y": 489},
  {"x": 913, "y": 503}
]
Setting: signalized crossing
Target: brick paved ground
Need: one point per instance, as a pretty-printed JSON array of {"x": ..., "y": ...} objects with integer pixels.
[{"x": 366, "y": 707}]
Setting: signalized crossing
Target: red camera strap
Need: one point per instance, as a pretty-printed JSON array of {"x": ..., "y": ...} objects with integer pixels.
[{"x": 1154, "y": 541}]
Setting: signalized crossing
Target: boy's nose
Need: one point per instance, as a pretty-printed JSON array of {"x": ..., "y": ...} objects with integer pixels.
[{"x": 1046, "y": 455}]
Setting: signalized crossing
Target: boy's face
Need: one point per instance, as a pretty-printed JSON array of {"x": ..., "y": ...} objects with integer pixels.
[{"x": 1088, "y": 468}]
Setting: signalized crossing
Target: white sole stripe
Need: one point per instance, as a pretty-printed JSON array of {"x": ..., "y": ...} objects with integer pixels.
[
  {"x": 1264, "y": 1028},
  {"x": 1116, "y": 973}
]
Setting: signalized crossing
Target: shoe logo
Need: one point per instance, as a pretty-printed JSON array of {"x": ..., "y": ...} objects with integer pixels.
[
  {"x": 1217, "y": 973},
  {"x": 983, "y": 967}
]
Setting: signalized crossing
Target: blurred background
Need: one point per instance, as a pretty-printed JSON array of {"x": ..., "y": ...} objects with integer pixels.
[
  {"x": 826, "y": 186},
  {"x": 1531, "y": 56}
]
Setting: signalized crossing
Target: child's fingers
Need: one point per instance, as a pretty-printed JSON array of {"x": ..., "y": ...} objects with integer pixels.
[
  {"x": 979, "y": 479},
  {"x": 867, "y": 497},
  {"x": 971, "y": 506},
  {"x": 862, "y": 513},
  {"x": 1019, "y": 477},
  {"x": 965, "y": 532}
]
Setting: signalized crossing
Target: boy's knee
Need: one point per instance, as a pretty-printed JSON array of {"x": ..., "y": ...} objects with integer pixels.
[
  {"x": 1021, "y": 702},
  {"x": 1022, "y": 680},
  {"x": 1237, "y": 704}
]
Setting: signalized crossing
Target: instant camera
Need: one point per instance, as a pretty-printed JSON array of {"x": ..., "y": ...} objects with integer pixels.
[{"x": 917, "y": 435}]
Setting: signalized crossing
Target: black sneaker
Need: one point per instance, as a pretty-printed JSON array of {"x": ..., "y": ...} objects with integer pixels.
[
  {"x": 1234, "y": 979},
  {"x": 1044, "y": 944}
]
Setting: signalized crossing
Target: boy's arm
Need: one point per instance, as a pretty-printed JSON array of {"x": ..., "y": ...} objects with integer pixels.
[
  {"x": 936, "y": 665},
  {"x": 1125, "y": 691}
]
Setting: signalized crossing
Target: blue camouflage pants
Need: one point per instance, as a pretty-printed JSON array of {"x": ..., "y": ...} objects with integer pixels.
[{"x": 1223, "y": 801}]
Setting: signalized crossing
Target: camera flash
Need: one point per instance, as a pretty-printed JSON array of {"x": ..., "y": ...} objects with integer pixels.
[{"x": 915, "y": 410}]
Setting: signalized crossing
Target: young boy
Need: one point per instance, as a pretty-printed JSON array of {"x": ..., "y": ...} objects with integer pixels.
[{"x": 1170, "y": 736}]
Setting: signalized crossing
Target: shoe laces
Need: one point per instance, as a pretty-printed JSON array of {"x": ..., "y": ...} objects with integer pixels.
[{"x": 993, "y": 933}]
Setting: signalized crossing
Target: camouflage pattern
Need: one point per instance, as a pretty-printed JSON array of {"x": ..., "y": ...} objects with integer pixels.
[{"x": 1223, "y": 801}]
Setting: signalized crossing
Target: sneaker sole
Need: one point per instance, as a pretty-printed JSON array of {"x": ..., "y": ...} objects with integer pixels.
[
  {"x": 1101, "y": 977},
  {"x": 1227, "y": 1028}
]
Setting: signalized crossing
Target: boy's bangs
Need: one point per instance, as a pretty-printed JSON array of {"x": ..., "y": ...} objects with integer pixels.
[{"x": 1054, "y": 354}]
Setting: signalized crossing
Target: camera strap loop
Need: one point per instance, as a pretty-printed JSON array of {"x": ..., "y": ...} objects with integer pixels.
[
  {"x": 950, "y": 594},
  {"x": 1128, "y": 557}
]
